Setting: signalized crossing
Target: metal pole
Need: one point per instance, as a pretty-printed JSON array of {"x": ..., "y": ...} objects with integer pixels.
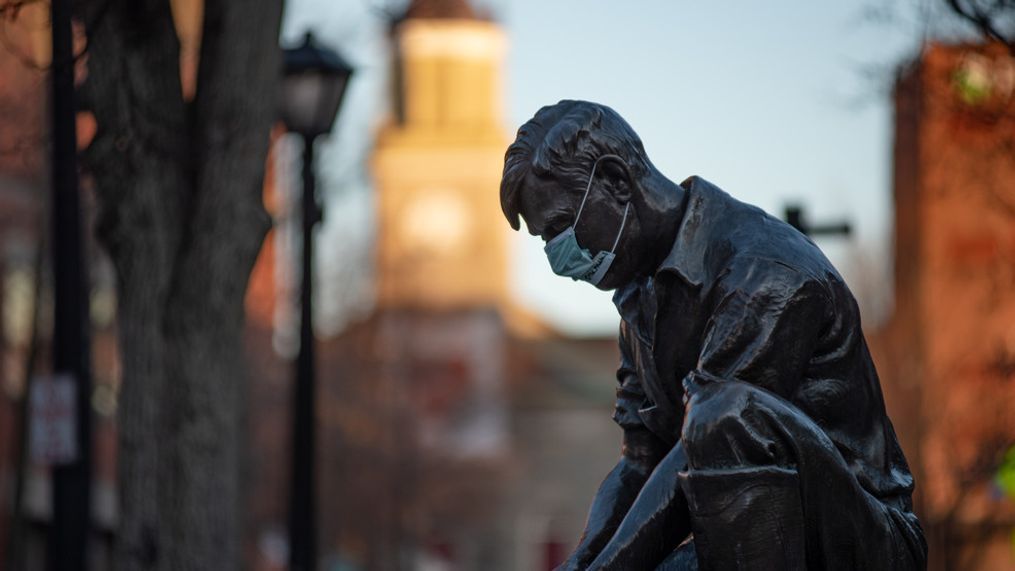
[
  {"x": 303, "y": 524},
  {"x": 68, "y": 539},
  {"x": 795, "y": 217}
]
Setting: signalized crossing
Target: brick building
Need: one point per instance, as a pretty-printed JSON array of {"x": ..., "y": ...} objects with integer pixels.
[{"x": 947, "y": 356}]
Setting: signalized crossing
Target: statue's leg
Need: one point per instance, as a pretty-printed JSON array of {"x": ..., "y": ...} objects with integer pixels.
[
  {"x": 767, "y": 489},
  {"x": 747, "y": 518}
]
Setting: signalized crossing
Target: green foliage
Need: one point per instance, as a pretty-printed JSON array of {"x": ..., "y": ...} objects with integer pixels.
[
  {"x": 973, "y": 82},
  {"x": 1005, "y": 477}
]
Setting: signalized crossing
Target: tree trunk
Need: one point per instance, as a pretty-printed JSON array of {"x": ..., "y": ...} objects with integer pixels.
[{"x": 179, "y": 187}]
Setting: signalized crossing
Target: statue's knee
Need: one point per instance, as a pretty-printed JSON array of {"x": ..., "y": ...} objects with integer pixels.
[
  {"x": 729, "y": 424},
  {"x": 712, "y": 418}
]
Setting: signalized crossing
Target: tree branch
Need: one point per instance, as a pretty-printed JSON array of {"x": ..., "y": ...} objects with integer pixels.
[{"x": 986, "y": 19}]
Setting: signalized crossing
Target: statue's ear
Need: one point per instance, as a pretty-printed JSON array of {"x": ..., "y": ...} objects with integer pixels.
[{"x": 618, "y": 176}]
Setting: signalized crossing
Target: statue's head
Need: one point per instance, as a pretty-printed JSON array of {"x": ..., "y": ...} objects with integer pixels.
[{"x": 580, "y": 157}]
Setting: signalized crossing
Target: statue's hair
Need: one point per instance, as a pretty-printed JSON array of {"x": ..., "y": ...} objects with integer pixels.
[{"x": 563, "y": 141}]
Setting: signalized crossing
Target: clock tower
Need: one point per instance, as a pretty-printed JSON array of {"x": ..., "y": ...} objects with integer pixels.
[{"x": 442, "y": 243}]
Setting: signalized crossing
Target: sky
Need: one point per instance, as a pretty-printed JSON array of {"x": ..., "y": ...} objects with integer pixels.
[{"x": 776, "y": 102}]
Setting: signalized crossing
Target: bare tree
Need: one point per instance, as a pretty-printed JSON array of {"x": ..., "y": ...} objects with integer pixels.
[
  {"x": 993, "y": 19},
  {"x": 179, "y": 185}
]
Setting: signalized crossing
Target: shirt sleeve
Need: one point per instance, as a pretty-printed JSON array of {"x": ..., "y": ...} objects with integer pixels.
[
  {"x": 765, "y": 326},
  {"x": 630, "y": 394},
  {"x": 640, "y": 444}
]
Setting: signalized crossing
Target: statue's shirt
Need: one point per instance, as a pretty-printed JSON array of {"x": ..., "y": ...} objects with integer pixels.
[{"x": 744, "y": 296}]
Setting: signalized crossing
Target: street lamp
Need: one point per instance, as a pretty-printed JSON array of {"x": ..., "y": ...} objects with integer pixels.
[{"x": 313, "y": 85}]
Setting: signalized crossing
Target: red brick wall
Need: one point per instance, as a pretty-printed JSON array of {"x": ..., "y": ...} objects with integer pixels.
[{"x": 948, "y": 354}]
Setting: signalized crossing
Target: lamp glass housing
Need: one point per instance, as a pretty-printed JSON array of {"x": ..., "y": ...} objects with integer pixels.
[{"x": 313, "y": 87}]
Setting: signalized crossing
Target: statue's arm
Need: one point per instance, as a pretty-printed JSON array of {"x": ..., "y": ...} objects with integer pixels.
[
  {"x": 656, "y": 523},
  {"x": 615, "y": 497},
  {"x": 641, "y": 451}
]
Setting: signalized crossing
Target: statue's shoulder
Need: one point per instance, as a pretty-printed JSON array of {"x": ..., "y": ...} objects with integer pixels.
[
  {"x": 698, "y": 184},
  {"x": 756, "y": 240}
]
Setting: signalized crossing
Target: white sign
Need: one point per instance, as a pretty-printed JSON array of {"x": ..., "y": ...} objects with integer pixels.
[{"x": 52, "y": 434}]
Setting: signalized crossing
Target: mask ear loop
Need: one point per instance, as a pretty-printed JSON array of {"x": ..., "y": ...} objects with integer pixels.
[
  {"x": 588, "y": 187},
  {"x": 621, "y": 231}
]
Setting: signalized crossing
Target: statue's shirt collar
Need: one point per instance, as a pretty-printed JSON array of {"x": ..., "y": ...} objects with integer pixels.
[{"x": 706, "y": 206}]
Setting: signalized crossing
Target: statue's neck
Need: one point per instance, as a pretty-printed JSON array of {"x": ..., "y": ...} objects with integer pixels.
[{"x": 661, "y": 212}]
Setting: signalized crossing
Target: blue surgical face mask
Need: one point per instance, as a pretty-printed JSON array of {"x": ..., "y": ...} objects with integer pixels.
[{"x": 570, "y": 260}]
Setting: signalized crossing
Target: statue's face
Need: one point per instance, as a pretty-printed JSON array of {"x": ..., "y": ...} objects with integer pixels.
[{"x": 548, "y": 210}]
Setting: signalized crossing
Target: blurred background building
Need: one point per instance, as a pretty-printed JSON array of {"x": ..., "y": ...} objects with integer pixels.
[
  {"x": 947, "y": 355},
  {"x": 447, "y": 411},
  {"x": 458, "y": 430}
]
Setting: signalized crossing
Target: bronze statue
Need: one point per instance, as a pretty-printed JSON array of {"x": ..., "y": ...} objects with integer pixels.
[{"x": 755, "y": 432}]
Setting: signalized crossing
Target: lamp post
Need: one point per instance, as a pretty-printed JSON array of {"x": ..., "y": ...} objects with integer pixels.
[
  {"x": 72, "y": 478},
  {"x": 314, "y": 83}
]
